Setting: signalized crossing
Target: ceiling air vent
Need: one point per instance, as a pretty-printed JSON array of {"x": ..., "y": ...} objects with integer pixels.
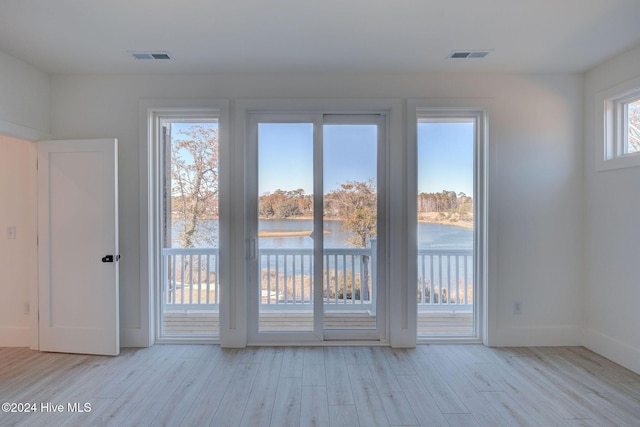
[
  {"x": 151, "y": 55},
  {"x": 468, "y": 54}
]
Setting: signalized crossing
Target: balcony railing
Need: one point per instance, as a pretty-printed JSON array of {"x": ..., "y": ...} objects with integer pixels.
[
  {"x": 445, "y": 279},
  {"x": 191, "y": 279}
]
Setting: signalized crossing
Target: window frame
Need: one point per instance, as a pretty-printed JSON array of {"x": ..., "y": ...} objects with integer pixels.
[
  {"x": 612, "y": 126},
  {"x": 399, "y": 332},
  {"x": 152, "y": 111},
  {"x": 450, "y": 109}
]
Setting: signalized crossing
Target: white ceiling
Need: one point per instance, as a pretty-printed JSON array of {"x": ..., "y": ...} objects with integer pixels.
[{"x": 72, "y": 36}]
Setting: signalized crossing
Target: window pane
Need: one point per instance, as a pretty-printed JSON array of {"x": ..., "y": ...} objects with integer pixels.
[
  {"x": 192, "y": 208},
  {"x": 445, "y": 226},
  {"x": 285, "y": 226},
  {"x": 190, "y": 262},
  {"x": 350, "y": 225},
  {"x": 633, "y": 127}
]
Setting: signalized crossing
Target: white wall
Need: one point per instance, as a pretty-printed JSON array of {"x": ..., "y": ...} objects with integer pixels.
[
  {"x": 612, "y": 232},
  {"x": 17, "y": 256},
  {"x": 535, "y": 131},
  {"x": 25, "y": 104},
  {"x": 25, "y": 101}
]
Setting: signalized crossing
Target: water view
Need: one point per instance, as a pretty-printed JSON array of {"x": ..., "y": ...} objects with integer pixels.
[{"x": 430, "y": 235}]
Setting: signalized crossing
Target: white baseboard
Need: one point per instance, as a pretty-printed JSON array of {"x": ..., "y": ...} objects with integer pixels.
[
  {"x": 536, "y": 336},
  {"x": 15, "y": 337},
  {"x": 613, "y": 349},
  {"x": 21, "y": 337}
]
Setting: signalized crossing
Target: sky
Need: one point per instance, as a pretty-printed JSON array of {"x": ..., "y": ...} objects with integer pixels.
[
  {"x": 285, "y": 152},
  {"x": 286, "y": 161},
  {"x": 445, "y": 157}
]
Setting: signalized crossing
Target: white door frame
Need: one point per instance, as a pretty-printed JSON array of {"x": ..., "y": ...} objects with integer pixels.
[
  {"x": 450, "y": 109},
  {"x": 151, "y": 111}
]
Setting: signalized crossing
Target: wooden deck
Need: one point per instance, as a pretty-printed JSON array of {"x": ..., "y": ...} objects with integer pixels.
[
  {"x": 179, "y": 323},
  {"x": 431, "y": 385}
]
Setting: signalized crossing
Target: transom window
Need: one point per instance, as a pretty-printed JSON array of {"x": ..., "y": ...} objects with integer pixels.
[{"x": 620, "y": 143}]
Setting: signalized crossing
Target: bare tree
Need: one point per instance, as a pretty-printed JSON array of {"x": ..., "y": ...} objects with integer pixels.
[
  {"x": 355, "y": 202},
  {"x": 194, "y": 185}
]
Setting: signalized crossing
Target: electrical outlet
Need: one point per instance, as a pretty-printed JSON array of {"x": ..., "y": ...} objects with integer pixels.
[
  {"x": 517, "y": 307},
  {"x": 11, "y": 232},
  {"x": 26, "y": 308}
]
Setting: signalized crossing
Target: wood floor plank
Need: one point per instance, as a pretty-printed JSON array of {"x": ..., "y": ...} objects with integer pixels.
[
  {"x": 292, "y": 362},
  {"x": 184, "y": 394},
  {"x": 338, "y": 386},
  {"x": 601, "y": 364},
  {"x": 313, "y": 372},
  {"x": 17, "y": 362},
  {"x": 572, "y": 372},
  {"x": 544, "y": 401},
  {"x": 287, "y": 406},
  {"x": 398, "y": 360},
  {"x": 236, "y": 396},
  {"x": 461, "y": 420},
  {"x": 45, "y": 369},
  {"x": 64, "y": 390},
  {"x": 446, "y": 399},
  {"x": 343, "y": 416},
  {"x": 137, "y": 413},
  {"x": 365, "y": 394},
  {"x": 424, "y": 408},
  {"x": 251, "y": 355},
  {"x": 261, "y": 400},
  {"x": 354, "y": 355},
  {"x": 394, "y": 401},
  {"x": 624, "y": 411},
  {"x": 133, "y": 372},
  {"x": 475, "y": 370},
  {"x": 314, "y": 407},
  {"x": 147, "y": 389},
  {"x": 206, "y": 403},
  {"x": 583, "y": 423},
  {"x": 567, "y": 392},
  {"x": 475, "y": 402},
  {"x": 510, "y": 409}
]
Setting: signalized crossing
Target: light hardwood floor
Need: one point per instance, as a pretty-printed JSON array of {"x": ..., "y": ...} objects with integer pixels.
[{"x": 432, "y": 385}]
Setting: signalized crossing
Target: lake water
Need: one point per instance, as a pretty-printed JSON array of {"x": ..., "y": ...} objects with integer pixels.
[
  {"x": 429, "y": 235},
  {"x": 434, "y": 236}
]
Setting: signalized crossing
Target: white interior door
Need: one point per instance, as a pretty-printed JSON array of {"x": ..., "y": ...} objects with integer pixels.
[{"x": 78, "y": 246}]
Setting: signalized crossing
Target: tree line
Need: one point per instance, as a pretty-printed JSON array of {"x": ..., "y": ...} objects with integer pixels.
[{"x": 445, "y": 202}]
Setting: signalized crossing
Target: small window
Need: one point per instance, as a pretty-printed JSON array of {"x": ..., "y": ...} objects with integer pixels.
[{"x": 620, "y": 126}]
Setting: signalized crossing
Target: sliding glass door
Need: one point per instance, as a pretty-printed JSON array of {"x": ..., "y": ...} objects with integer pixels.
[{"x": 316, "y": 227}]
